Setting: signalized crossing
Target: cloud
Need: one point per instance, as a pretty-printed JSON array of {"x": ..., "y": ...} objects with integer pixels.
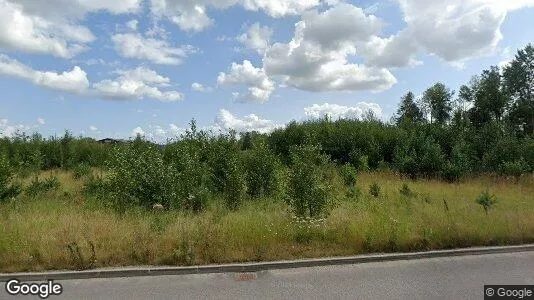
[
  {"x": 317, "y": 58},
  {"x": 132, "y": 24},
  {"x": 130, "y": 84},
  {"x": 137, "y": 131},
  {"x": 74, "y": 81},
  {"x": 93, "y": 128},
  {"x": 192, "y": 15},
  {"x": 260, "y": 87},
  {"x": 8, "y": 130},
  {"x": 457, "y": 30},
  {"x": 336, "y": 111},
  {"x": 225, "y": 120},
  {"x": 398, "y": 50},
  {"x": 134, "y": 45},
  {"x": 198, "y": 87},
  {"x": 137, "y": 84},
  {"x": 41, "y": 121},
  {"x": 256, "y": 38},
  {"x": 175, "y": 130},
  {"x": 52, "y": 27}
]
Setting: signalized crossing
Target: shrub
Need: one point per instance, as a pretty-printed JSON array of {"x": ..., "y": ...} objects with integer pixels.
[
  {"x": 81, "y": 170},
  {"x": 262, "y": 171},
  {"x": 139, "y": 177},
  {"x": 406, "y": 191},
  {"x": 95, "y": 186},
  {"x": 348, "y": 174},
  {"x": 308, "y": 187},
  {"x": 191, "y": 173},
  {"x": 419, "y": 156},
  {"x": 359, "y": 161},
  {"x": 486, "y": 200},
  {"x": 514, "y": 168},
  {"x": 38, "y": 187},
  {"x": 8, "y": 189},
  {"x": 227, "y": 172},
  {"x": 374, "y": 190}
]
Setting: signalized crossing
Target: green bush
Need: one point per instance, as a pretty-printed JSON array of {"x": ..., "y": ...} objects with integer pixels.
[
  {"x": 262, "y": 171},
  {"x": 8, "y": 189},
  {"x": 139, "y": 177},
  {"x": 95, "y": 186},
  {"x": 374, "y": 190},
  {"x": 38, "y": 186},
  {"x": 348, "y": 174},
  {"x": 406, "y": 191},
  {"x": 514, "y": 168},
  {"x": 81, "y": 170},
  {"x": 309, "y": 189},
  {"x": 191, "y": 173},
  {"x": 227, "y": 171},
  {"x": 486, "y": 200}
]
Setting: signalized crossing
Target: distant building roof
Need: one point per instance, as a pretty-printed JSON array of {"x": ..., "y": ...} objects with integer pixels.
[{"x": 110, "y": 141}]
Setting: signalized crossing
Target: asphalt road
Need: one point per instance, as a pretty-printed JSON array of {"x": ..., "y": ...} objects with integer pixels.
[{"x": 435, "y": 278}]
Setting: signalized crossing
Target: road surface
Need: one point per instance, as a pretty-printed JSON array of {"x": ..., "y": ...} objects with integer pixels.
[{"x": 434, "y": 278}]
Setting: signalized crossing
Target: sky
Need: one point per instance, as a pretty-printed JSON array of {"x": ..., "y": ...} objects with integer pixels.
[{"x": 109, "y": 68}]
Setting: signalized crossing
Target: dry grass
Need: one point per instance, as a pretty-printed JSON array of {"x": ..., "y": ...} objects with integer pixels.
[{"x": 35, "y": 232}]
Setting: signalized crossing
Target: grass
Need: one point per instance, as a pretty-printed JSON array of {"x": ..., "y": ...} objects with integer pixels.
[{"x": 35, "y": 232}]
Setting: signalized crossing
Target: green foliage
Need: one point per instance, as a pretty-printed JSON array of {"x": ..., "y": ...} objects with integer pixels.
[
  {"x": 38, "y": 186},
  {"x": 408, "y": 111},
  {"x": 95, "y": 186},
  {"x": 262, "y": 171},
  {"x": 519, "y": 85},
  {"x": 140, "y": 177},
  {"x": 81, "y": 170},
  {"x": 374, "y": 190},
  {"x": 348, "y": 174},
  {"x": 514, "y": 168},
  {"x": 419, "y": 156},
  {"x": 406, "y": 191},
  {"x": 438, "y": 99},
  {"x": 8, "y": 189},
  {"x": 227, "y": 172},
  {"x": 309, "y": 189},
  {"x": 486, "y": 200}
]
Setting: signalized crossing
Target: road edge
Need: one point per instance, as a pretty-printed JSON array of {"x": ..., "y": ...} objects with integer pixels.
[{"x": 258, "y": 266}]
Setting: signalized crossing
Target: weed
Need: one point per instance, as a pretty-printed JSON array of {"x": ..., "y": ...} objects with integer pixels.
[
  {"x": 486, "y": 200},
  {"x": 374, "y": 190},
  {"x": 38, "y": 186},
  {"x": 78, "y": 258},
  {"x": 406, "y": 191}
]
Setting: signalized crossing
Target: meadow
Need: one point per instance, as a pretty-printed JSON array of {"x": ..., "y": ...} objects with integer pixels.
[{"x": 61, "y": 227}]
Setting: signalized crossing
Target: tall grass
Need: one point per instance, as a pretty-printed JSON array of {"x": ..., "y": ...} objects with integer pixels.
[{"x": 35, "y": 232}]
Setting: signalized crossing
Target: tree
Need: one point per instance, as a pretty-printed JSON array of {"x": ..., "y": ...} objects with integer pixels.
[
  {"x": 519, "y": 85},
  {"x": 438, "y": 98},
  {"x": 408, "y": 110},
  {"x": 488, "y": 96}
]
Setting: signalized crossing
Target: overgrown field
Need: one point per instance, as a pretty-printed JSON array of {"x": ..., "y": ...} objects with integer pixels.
[{"x": 58, "y": 226}]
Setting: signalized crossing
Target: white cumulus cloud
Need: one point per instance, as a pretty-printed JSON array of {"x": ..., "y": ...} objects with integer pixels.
[
  {"x": 192, "y": 15},
  {"x": 137, "y": 84},
  {"x": 74, "y": 81},
  {"x": 225, "y": 120},
  {"x": 158, "y": 51},
  {"x": 335, "y": 111},
  {"x": 256, "y": 38},
  {"x": 52, "y": 27},
  {"x": 137, "y": 131},
  {"x": 259, "y": 86},
  {"x": 317, "y": 58}
]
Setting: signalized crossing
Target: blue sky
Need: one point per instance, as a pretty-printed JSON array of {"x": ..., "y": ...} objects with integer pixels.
[{"x": 116, "y": 68}]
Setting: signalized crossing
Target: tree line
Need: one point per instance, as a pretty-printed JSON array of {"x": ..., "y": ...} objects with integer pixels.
[{"x": 487, "y": 126}]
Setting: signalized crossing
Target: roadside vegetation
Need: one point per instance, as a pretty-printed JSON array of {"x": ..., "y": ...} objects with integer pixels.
[{"x": 451, "y": 169}]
